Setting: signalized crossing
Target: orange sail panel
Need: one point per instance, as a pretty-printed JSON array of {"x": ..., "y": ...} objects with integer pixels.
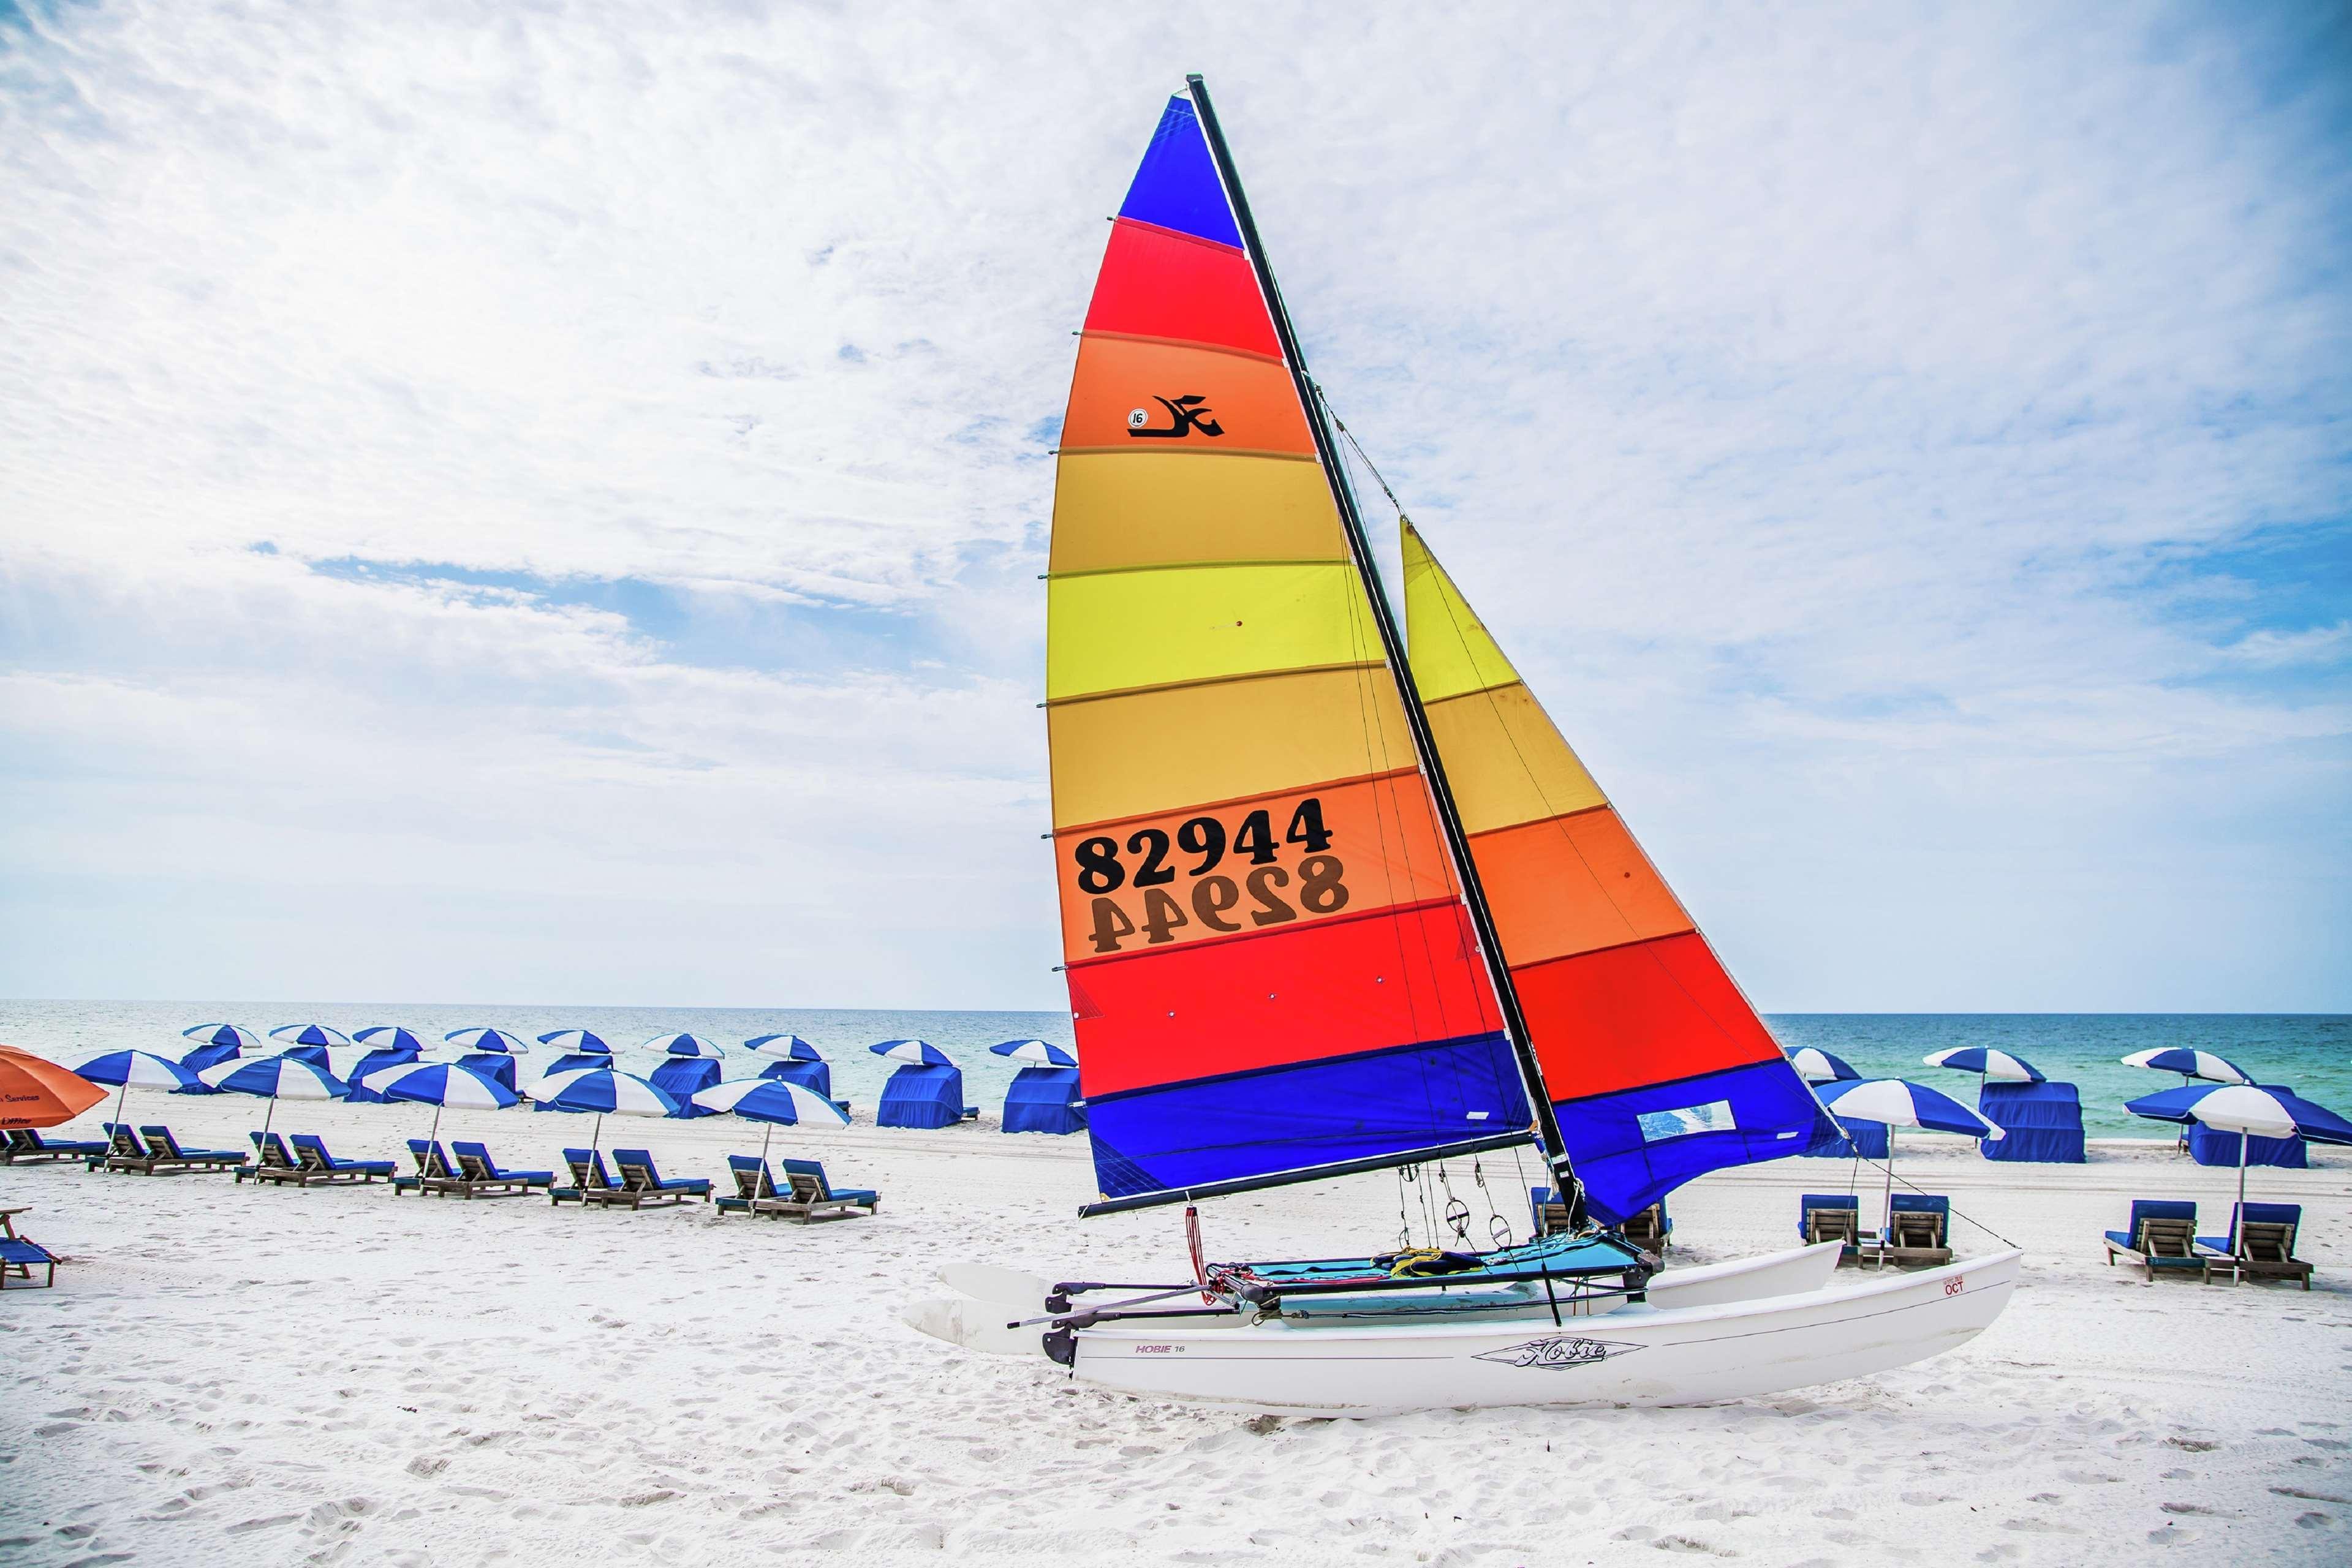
[
  {"x": 1657, "y": 1067},
  {"x": 1270, "y": 964}
]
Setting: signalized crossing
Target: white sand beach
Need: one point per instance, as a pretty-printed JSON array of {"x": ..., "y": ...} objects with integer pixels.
[{"x": 226, "y": 1374}]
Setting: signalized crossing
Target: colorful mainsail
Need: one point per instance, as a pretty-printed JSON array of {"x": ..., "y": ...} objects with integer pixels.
[
  {"x": 1270, "y": 963},
  {"x": 1657, "y": 1067}
]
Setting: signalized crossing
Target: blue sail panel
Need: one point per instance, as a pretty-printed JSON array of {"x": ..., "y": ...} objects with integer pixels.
[
  {"x": 1176, "y": 186},
  {"x": 1305, "y": 1117},
  {"x": 1634, "y": 1146}
]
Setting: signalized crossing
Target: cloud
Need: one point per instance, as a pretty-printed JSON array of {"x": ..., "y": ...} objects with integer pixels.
[{"x": 1905, "y": 452}]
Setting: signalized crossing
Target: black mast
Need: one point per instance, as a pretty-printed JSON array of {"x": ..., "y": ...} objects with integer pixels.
[{"x": 1458, "y": 842}]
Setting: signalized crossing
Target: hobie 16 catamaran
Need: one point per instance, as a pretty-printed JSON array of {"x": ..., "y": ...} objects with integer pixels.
[{"x": 1327, "y": 911}]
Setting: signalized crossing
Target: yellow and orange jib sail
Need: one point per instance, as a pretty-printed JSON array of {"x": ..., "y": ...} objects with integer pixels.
[{"x": 1658, "y": 1067}]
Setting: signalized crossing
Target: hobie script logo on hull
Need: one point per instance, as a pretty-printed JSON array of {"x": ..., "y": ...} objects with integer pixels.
[
  {"x": 1186, "y": 414},
  {"x": 1558, "y": 1353}
]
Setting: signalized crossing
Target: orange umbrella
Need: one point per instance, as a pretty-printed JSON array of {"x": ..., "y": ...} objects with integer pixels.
[{"x": 38, "y": 1092}]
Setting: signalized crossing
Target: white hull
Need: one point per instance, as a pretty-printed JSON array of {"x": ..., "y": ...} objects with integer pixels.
[{"x": 1639, "y": 1354}]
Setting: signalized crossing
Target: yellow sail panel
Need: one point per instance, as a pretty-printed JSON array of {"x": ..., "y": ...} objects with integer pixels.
[
  {"x": 1452, "y": 651},
  {"x": 1127, "y": 630},
  {"x": 1506, "y": 763},
  {"x": 1151, "y": 752},
  {"x": 1114, "y": 510}
]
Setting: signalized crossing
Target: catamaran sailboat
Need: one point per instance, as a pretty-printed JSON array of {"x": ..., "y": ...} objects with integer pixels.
[{"x": 1328, "y": 909}]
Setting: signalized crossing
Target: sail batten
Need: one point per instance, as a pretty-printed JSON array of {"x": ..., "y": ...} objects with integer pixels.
[
  {"x": 1657, "y": 1067},
  {"x": 1271, "y": 967}
]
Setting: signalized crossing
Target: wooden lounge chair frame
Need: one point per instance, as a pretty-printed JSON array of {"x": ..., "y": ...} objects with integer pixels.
[
  {"x": 2264, "y": 1251},
  {"x": 808, "y": 1200},
  {"x": 476, "y": 1178},
  {"x": 22, "y": 1254},
  {"x": 583, "y": 1190},
  {"x": 311, "y": 1165},
  {"x": 1841, "y": 1223},
  {"x": 641, "y": 1187},
  {"x": 25, "y": 1144},
  {"x": 271, "y": 1163},
  {"x": 1918, "y": 1235},
  {"x": 434, "y": 1176},
  {"x": 1649, "y": 1229},
  {"x": 163, "y": 1145},
  {"x": 2164, "y": 1242}
]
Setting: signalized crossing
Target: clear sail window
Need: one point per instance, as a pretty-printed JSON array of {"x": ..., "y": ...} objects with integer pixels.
[{"x": 1713, "y": 1117}]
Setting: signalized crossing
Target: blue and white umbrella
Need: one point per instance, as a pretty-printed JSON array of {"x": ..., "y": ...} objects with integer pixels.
[
  {"x": 497, "y": 1042},
  {"x": 576, "y": 1042},
  {"x": 919, "y": 1052},
  {"x": 1900, "y": 1102},
  {"x": 1997, "y": 1066},
  {"x": 2248, "y": 1109},
  {"x": 388, "y": 1037},
  {"x": 275, "y": 1077},
  {"x": 2191, "y": 1064},
  {"x": 604, "y": 1093},
  {"x": 137, "y": 1069},
  {"x": 778, "y": 1102},
  {"x": 1817, "y": 1066},
  {"x": 685, "y": 1045},
  {"x": 440, "y": 1083},
  {"x": 309, "y": 1034},
  {"x": 228, "y": 1036},
  {"x": 783, "y": 1047},
  {"x": 1037, "y": 1052}
]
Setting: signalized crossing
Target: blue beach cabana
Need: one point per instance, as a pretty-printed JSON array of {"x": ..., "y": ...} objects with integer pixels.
[
  {"x": 684, "y": 1077},
  {"x": 377, "y": 1060},
  {"x": 2043, "y": 1122},
  {"x": 1043, "y": 1097},
  {"x": 927, "y": 1091},
  {"x": 793, "y": 1060}
]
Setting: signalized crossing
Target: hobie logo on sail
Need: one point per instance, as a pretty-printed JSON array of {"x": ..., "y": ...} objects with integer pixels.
[
  {"x": 1557, "y": 1354},
  {"x": 1186, "y": 414}
]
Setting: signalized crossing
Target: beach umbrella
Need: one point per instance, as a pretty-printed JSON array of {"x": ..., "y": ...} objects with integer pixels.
[
  {"x": 1037, "y": 1052},
  {"x": 497, "y": 1042},
  {"x": 2247, "y": 1110},
  {"x": 606, "y": 1092},
  {"x": 2191, "y": 1064},
  {"x": 1899, "y": 1102},
  {"x": 136, "y": 1069},
  {"x": 684, "y": 1045},
  {"x": 235, "y": 1038},
  {"x": 576, "y": 1042},
  {"x": 785, "y": 1047},
  {"x": 388, "y": 1037},
  {"x": 1817, "y": 1066},
  {"x": 309, "y": 1034},
  {"x": 38, "y": 1092},
  {"x": 920, "y": 1052},
  {"x": 1998, "y": 1066},
  {"x": 777, "y": 1102},
  {"x": 438, "y": 1084},
  {"x": 275, "y": 1077}
]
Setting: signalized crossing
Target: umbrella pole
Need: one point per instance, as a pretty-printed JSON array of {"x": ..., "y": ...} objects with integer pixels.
[
  {"x": 268, "y": 1116},
  {"x": 121, "y": 1095},
  {"x": 1889, "y": 1229},
  {"x": 2241, "y": 1191}
]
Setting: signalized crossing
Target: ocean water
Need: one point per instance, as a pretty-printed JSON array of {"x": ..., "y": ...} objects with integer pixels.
[{"x": 2310, "y": 1053}]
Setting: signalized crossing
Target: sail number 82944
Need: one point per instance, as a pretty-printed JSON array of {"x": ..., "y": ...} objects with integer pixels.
[{"x": 1253, "y": 891}]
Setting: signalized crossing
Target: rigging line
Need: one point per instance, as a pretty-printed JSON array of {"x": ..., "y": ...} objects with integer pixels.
[{"x": 1923, "y": 1192}]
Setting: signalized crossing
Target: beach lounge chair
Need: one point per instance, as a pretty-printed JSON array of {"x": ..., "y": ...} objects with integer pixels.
[
  {"x": 125, "y": 1152},
  {"x": 1547, "y": 1211},
  {"x": 435, "y": 1173},
  {"x": 163, "y": 1149},
  {"x": 2261, "y": 1244},
  {"x": 643, "y": 1185},
  {"x": 1653, "y": 1230},
  {"x": 20, "y": 1256},
  {"x": 816, "y": 1198},
  {"x": 270, "y": 1163},
  {"x": 591, "y": 1182},
  {"x": 1832, "y": 1217},
  {"x": 2160, "y": 1234},
  {"x": 318, "y": 1165},
  {"x": 485, "y": 1177},
  {"x": 1918, "y": 1230},
  {"x": 25, "y": 1144}
]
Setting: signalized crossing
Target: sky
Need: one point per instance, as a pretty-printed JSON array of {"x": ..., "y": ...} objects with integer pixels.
[{"x": 544, "y": 504}]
